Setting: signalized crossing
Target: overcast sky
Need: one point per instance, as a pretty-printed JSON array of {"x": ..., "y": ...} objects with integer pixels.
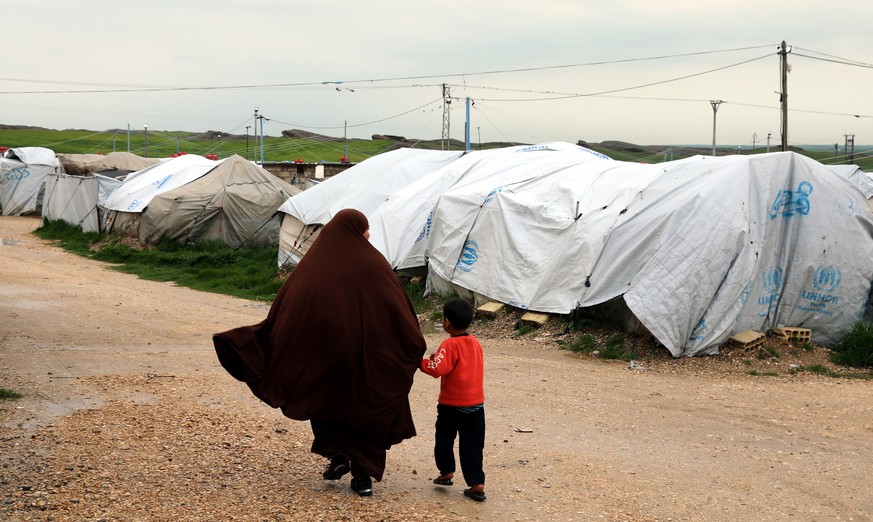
[{"x": 551, "y": 70}]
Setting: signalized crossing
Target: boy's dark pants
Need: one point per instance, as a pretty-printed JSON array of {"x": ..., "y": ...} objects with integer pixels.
[{"x": 470, "y": 428}]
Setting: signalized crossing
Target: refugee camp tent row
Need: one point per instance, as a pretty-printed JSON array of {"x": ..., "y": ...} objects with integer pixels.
[
  {"x": 364, "y": 186},
  {"x": 697, "y": 249},
  {"x": 191, "y": 199},
  {"x": 22, "y": 178}
]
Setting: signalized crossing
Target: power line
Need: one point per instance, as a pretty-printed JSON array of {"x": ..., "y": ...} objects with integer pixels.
[{"x": 340, "y": 82}]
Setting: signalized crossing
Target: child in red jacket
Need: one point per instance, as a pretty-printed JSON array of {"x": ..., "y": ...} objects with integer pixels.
[{"x": 461, "y": 409}]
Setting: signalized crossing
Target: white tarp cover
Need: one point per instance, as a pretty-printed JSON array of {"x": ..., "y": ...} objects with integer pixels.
[
  {"x": 22, "y": 178},
  {"x": 400, "y": 227},
  {"x": 364, "y": 186},
  {"x": 235, "y": 203},
  {"x": 861, "y": 179},
  {"x": 72, "y": 199},
  {"x": 700, "y": 249},
  {"x": 140, "y": 187}
]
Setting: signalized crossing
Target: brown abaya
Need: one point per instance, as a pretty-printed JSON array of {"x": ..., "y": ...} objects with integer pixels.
[{"x": 339, "y": 347}]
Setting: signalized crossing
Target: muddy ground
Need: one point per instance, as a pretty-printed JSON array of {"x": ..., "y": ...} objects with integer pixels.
[{"x": 127, "y": 415}]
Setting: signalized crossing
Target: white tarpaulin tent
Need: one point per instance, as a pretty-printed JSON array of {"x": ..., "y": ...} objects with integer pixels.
[
  {"x": 700, "y": 249},
  {"x": 232, "y": 201},
  {"x": 364, "y": 186},
  {"x": 861, "y": 179},
  {"x": 78, "y": 200},
  {"x": 141, "y": 186},
  {"x": 400, "y": 227},
  {"x": 22, "y": 178}
]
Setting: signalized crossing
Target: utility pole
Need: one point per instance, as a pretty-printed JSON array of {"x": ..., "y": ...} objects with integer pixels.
[
  {"x": 467, "y": 128},
  {"x": 447, "y": 121},
  {"x": 850, "y": 149},
  {"x": 768, "y": 141},
  {"x": 256, "y": 133},
  {"x": 783, "y": 96},
  {"x": 247, "y": 140},
  {"x": 715, "y": 104}
]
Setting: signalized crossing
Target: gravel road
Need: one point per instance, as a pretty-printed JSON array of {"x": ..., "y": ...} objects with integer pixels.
[{"x": 127, "y": 415}]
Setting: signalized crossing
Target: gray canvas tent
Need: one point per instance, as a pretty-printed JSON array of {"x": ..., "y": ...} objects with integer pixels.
[
  {"x": 78, "y": 200},
  {"x": 84, "y": 164},
  {"x": 232, "y": 201},
  {"x": 22, "y": 178}
]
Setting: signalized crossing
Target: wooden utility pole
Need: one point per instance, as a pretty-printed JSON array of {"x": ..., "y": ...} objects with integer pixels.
[{"x": 783, "y": 54}]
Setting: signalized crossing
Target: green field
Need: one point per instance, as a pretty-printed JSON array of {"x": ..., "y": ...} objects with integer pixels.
[{"x": 162, "y": 144}]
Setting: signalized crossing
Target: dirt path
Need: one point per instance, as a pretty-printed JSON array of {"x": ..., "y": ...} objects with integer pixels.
[{"x": 127, "y": 415}]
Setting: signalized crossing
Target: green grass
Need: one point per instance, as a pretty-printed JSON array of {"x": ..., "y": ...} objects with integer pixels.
[
  {"x": 614, "y": 348},
  {"x": 9, "y": 394},
  {"x": 584, "y": 344},
  {"x": 249, "y": 273},
  {"x": 769, "y": 373},
  {"x": 164, "y": 143},
  {"x": 856, "y": 347},
  {"x": 768, "y": 352}
]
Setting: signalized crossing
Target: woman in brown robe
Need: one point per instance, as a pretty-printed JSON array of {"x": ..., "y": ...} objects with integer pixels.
[{"x": 339, "y": 347}]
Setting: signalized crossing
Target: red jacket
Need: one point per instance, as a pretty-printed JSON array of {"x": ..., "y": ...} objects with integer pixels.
[{"x": 461, "y": 365}]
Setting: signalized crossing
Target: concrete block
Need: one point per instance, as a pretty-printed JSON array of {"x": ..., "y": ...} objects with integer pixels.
[
  {"x": 535, "y": 319},
  {"x": 797, "y": 334},
  {"x": 490, "y": 309},
  {"x": 749, "y": 339}
]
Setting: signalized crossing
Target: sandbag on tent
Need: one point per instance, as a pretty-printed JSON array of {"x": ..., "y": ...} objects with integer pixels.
[
  {"x": 22, "y": 178},
  {"x": 364, "y": 186},
  {"x": 235, "y": 203},
  {"x": 400, "y": 227},
  {"x": 700, "y": 249}
]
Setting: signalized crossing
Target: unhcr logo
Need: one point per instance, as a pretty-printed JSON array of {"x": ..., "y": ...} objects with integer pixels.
[
  {"x": 789, "y": 203},
  {"x": 18, "y": 174},
  {"x": 425, "y": 232},
  {"x": 469, "y": 256},
  {"x": 772, "y": 279},
  {"x": 491, "y": 195},
  {"x": 162, "y": 182},
  {"x": 827, "y": 278}
]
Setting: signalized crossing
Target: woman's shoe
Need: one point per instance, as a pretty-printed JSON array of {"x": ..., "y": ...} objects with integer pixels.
[
  {"x": 363, "y": 486},
  {"x": 338, "y": 467}
]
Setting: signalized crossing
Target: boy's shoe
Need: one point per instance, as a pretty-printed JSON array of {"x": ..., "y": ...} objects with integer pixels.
[
  {"x": 478, "y": 496},
  {"x": 363, "y": 486},
  {"x": 338, "y": 467},
  {"x": 443, "y": 481}
]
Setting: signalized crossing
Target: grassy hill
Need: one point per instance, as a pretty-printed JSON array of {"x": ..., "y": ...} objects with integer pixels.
[{"x": 309, "y": 147}]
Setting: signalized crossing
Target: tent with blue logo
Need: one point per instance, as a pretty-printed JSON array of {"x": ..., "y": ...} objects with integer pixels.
[
  {"x": 23, "y": 172},
  {"x": 400, "y": 227},
  {"x": 698, "y": 249},
  {"x": 364, "y": 186},
  {"x": 191, "y": 199},
  {"x": 398, "y": 191}
]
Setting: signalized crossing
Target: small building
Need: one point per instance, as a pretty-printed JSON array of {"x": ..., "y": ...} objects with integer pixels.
[{"x": 297, "y": 172}]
